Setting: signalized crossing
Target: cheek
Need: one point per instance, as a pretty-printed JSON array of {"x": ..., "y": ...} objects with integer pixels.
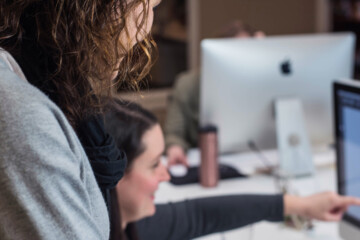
[
  {"x": 136, "y": 20},
  {"x": 146, "y": 190},
  {"x": 141, "y": 197},
  {"x": 150, "y": 21},
  {"x": 147, "y": 185}
]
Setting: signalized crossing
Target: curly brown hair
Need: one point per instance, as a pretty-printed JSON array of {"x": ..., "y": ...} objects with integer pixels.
[{"x": 81, "y": 42}]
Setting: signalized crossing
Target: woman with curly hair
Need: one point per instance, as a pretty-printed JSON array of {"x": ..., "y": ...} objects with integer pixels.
[{"x": 57, "y": 57}]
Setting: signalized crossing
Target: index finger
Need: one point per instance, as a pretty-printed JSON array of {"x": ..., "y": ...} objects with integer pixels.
[{"x": 351, "y": 201}]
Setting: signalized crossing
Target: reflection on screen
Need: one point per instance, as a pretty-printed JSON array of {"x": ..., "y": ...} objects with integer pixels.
[{"x": 350, "y": 131}]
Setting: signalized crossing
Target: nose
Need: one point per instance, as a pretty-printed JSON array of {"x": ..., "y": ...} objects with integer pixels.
[{"x": 163, "y": 174}]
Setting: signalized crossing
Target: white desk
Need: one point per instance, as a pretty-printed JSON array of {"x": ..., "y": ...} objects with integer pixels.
[{"x": 323, "y": 180}]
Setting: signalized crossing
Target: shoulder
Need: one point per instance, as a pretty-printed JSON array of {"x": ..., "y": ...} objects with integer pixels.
[
  {"x": 28, "y": 116},
  {"x": 42, "y": 158},
  {"x": 14, "y": 89},
  {"x": 186, "y": 85},
  {"x": 7, "y": 61},
  {"x": 187, "y": 80},
  {"x": 22, "y": 102}
]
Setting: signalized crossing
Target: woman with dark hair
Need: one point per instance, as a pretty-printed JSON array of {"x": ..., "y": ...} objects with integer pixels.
[
  {"x": 73, "y": 52},
  {"x": 137, "y": 132}
]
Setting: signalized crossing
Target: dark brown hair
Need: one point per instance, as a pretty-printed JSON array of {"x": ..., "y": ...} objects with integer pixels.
[
  {"x": 127, "y": 122},
  {"x": 80, "y": 47}
]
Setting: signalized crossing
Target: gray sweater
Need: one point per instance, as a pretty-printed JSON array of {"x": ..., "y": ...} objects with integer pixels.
[{"x": 47, "y": 187}]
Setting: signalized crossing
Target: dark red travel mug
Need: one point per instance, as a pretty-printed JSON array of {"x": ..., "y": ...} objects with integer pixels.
[{"x": 209, "y": 167}]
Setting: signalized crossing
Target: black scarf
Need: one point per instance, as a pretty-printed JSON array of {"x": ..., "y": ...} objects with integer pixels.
[{"x": 107, "y": 161}]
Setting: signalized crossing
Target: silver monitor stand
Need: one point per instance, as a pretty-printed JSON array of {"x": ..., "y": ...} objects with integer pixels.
[{"x": 295, "y": 156}]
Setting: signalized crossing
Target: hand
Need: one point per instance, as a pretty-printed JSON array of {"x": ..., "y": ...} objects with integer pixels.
[
  {"x": 327, "y": 206},
  {"x": 259, "y": 34},
  {"x": 176, "y": 155}
]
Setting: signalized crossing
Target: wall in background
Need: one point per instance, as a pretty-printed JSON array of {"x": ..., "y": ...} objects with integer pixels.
[{"x": 275, "y": 17}]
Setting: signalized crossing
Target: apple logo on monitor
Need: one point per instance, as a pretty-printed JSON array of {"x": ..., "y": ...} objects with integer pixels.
[{"x": 285, "y": 67}]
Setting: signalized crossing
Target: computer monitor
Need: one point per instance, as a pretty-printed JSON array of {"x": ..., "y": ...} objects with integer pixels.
[
  {"x": 241, "y": 78},
  {"x": 347, "y": 129}
]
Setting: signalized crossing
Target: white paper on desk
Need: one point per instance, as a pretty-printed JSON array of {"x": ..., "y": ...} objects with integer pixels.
[{"x": 248, "y": 163}]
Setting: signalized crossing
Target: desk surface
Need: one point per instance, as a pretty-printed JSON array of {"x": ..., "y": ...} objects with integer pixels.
[{"x": 323, "y": 180}]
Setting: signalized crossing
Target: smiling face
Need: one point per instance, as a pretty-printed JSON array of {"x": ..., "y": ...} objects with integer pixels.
[{"x": 137, "y": 188}]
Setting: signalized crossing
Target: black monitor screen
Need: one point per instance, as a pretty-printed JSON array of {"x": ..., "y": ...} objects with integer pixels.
[{"x": 347, "y": 114}]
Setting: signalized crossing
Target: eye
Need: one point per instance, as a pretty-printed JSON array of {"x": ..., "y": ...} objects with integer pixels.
[{"x": 156, "y": 164}]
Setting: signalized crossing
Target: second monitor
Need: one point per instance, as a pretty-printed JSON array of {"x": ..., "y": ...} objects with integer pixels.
[{"x": 241, "y": 78}]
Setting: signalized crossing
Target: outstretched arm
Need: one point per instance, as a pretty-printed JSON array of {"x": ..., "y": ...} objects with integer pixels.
[{"x": 194, "y": 218}]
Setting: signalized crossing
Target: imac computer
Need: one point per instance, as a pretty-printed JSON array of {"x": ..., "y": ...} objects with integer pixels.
[
  {"x": 347, "y": 129},
  {"x": 241, "y": 79}
]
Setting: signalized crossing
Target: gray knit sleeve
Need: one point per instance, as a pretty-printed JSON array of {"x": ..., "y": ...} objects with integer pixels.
[
  {"x": 194, "y": 218},
  {"x": 46, "y": 187}
]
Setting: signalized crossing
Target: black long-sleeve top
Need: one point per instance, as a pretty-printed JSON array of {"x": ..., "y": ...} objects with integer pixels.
[{"x": 194, "y": 218}]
